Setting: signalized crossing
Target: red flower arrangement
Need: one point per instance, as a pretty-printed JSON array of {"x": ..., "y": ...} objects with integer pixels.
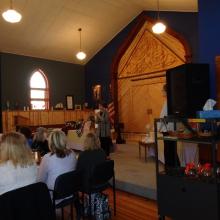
[{"x": 199, "y": 170}]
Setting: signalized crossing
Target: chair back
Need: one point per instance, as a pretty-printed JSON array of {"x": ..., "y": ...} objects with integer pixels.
[
  {"x": 103, "y": 172},
  {"x": 29, "y": 202},
  {"x": 67, "y": 184}
]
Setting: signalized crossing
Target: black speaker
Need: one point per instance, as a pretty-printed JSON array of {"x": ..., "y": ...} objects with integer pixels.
[
  {"x": 1, "y": 126},
  {"x": 187, "y": 89}
]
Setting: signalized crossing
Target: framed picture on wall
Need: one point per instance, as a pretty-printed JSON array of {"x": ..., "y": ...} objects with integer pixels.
[
  {"x": 69, "y": 102},
  {"x": 97, "y": 90}
]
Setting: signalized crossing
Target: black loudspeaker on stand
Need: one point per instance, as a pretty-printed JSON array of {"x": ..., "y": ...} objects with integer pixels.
[
  {"x": 119, "y": 139},
  {"x": 187, "y": 89}
]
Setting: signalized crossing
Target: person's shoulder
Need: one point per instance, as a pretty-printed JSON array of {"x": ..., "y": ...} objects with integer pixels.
[
  {"x": 99, "y": 152},
  {"x": 72, "y": 155},
  {"x": 6, "y": 165},
  {"x": 31, "y": 168},
  {"x": 102, "y": 152},
  {"x": 48, "y": 156},
  {"x": 83, "y": 153}
]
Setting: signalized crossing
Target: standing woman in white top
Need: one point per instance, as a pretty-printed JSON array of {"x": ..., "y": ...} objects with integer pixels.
[
  {"x": 170, "y": 152},
  {"x": 60, "y": 160},
  {"x": 17, "y": 165}
]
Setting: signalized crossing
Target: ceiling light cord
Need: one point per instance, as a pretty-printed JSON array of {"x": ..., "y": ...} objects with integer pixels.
[
  {"x": 11, "y": 4},
  {"x": 80, "y": 39},
  {"x": 158, "y": 27},
  {"x": 158, "y": 10},
  {"x": 80, "y": 55}
]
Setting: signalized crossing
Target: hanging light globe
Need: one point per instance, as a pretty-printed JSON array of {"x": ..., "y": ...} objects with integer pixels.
[
  {"x": 159, "y": 28},
  {"x": 81, "y": 55},
  {"x": 12, "y": 16}
]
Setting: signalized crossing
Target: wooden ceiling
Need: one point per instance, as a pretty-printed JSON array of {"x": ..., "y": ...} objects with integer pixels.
[{"x": 49, "y": 27}]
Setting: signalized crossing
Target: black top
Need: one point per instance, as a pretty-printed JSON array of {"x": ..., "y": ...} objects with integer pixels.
[
  {"x": 87, "y": 160},
  {"x": 41, "y": 147}
]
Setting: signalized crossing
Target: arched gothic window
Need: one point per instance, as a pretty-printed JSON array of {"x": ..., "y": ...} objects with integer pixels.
[{"x": 39, "y": 91}]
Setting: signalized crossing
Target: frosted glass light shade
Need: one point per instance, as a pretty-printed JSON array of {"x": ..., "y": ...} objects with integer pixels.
[
  {"x": 81, "y": 55},
  {"x": 11, "y": 16},
  {"x": 159, "y": 28}
]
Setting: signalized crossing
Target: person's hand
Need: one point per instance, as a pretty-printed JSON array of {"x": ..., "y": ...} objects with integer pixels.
[{"x": 97, "y": 113}]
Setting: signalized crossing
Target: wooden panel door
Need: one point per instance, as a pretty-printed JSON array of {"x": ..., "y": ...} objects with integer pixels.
[{"x": 148, "y": 101}]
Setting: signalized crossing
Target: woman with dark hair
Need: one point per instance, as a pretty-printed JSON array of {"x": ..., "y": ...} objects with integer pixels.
[{"x": 26, "y": 131}]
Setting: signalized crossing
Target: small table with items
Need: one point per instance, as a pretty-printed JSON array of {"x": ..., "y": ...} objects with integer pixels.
[{"x": 146, "y": 146}]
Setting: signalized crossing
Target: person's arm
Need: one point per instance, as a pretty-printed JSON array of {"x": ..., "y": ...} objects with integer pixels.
[
  {"x": 99, "y": 117},
  {"x": 79, "y": 164},
  {"x": 104, "y": 117},
  {"x": 162, "y": 127},
  {"x": 43, "y": 170}
]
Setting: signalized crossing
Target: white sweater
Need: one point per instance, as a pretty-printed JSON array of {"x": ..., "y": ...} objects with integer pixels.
[
  {"x": 12, "y": 177},
  {"x": 52, "y": 166}
]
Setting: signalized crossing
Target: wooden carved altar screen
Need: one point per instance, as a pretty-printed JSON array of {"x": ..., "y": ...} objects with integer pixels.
[{"x": 141, "y": 76}]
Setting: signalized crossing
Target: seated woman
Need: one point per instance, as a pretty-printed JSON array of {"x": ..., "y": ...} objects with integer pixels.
[
  {"x": 26, "y": 131},
  {"x": 17, "y": 165},
  {"x": 90, "y": 157},
  {"x": 40, "y": 142},
  {"x": 60, "y": 160}
]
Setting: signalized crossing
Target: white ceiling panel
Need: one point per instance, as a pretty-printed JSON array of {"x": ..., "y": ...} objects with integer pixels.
[{"x": 49, "y": 27}]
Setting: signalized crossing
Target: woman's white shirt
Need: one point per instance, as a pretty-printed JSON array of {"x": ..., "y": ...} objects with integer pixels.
[
  {"x": 163, "y": 126},
  {"x": 12, "y": 177},
  {"x": 52, "y": 166}
]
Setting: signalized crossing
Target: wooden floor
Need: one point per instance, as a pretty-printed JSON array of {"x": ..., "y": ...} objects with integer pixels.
[{"x": 131, "y": 207}]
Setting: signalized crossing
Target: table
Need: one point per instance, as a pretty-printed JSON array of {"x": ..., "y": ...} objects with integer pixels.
[{"x": 145, "y": 145}]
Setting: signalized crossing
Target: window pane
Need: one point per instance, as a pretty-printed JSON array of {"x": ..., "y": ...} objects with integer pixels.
[
  {"x": 37, "y": 94},
  {"x": 38, "y": 104},
  {"x": 37, "y": 81}
]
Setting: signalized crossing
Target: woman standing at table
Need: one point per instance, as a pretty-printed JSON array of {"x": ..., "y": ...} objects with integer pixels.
[
  {"x": 170, "y": 147},
  {"x": 103, "y": 131},
  {"x": 17, "y": 166}
]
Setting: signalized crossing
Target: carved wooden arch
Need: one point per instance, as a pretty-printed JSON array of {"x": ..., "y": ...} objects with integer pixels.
[{"x": 125, "y": 45}]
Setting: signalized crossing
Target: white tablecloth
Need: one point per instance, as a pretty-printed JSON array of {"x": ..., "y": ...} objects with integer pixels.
[{"x": 187, "y": 152}]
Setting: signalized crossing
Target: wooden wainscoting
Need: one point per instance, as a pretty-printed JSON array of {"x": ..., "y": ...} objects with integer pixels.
[{"x": 37, "y": 118}]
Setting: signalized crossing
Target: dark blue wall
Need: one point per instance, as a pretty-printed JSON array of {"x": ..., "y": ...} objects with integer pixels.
[
  {"x": 209, "y": 36},
  {"x": 64, "y": 79},
  {"x": 97, "y": 70}
]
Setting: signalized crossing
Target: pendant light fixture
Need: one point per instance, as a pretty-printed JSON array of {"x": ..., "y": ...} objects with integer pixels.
[
  {"x": 80, "y": 55},
  {"x": 11, "y": 15},
  {"x": 159, "y": 27}
]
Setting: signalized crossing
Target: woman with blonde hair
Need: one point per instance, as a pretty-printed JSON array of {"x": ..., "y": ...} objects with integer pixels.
[
  {"x": 60, "y": 160},
  {"x": 17, "y": 165},
  {"x": 92, "y": 155}
]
